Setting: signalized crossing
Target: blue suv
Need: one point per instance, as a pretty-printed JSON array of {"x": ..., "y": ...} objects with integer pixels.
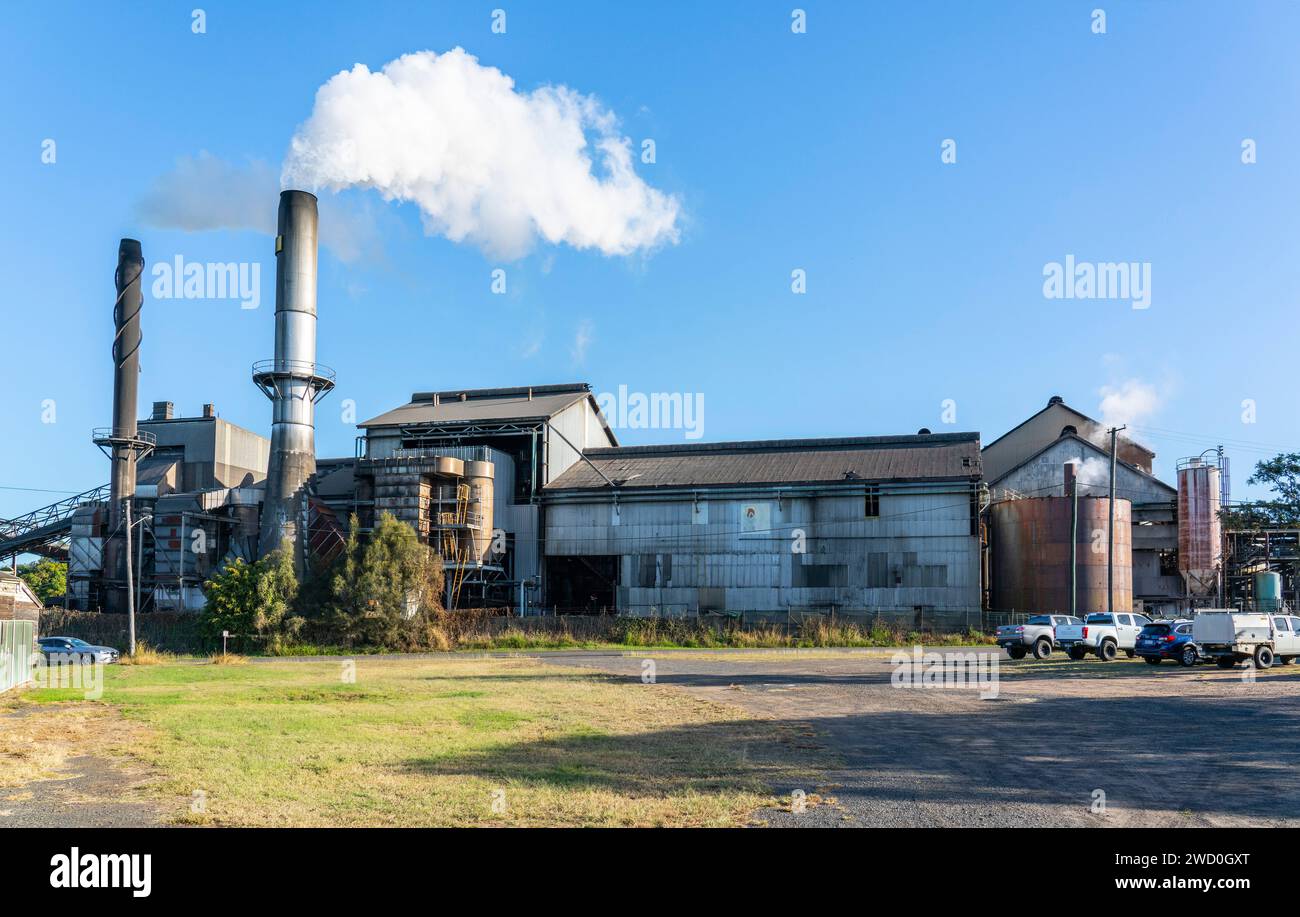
[{"x": 1167, "y": 640}]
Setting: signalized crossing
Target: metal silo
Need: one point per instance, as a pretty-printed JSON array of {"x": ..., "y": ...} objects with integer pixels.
[
  {"x": 1031, "y": 555},
  {"x": 479, "y": 477},
  {"x": 1200, "y": 537}
]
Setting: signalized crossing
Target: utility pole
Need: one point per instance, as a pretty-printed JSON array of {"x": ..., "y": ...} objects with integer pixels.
[
  {"x": 130, "y": 585},
  {"x": 1072, "y": 491},
  {"x": 1110, "y": 529},
  {"x": 139, "y": 565}
]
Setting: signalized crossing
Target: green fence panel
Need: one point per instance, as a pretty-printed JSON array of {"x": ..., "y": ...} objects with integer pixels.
[{"x": 16, "y": 653}]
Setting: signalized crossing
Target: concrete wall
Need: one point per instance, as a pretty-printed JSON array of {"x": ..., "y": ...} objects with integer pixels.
[{"x": 735, "y": 552}]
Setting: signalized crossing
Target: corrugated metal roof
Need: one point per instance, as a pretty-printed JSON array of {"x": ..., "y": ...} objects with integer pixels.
[
  {"x": 1053, "y": 403},
  {"x": 484, "y": 404},
  {"x": 943, "y": 456}
]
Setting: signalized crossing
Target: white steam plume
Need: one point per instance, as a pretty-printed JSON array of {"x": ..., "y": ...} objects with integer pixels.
[
  {"x": 1129, "y": 402},
  {"x": 483, "y": 161},
  {"x": 1092, "y": 472},
  {"x": 204, "y": 193}
]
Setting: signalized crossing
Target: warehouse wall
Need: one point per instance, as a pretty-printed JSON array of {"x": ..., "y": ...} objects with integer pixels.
[{"x": 737, "y": 553}]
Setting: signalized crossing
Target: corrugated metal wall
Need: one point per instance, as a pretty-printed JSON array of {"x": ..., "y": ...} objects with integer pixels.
[
  {"x": 16, "y": 653},
  {"x": 738, "y": 554}
]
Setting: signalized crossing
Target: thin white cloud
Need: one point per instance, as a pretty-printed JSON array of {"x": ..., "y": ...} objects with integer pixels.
[
  {"x": 582, "y": 339},
  {"x": 533, "y": 346},
  {"x": 483, "y": 162}
]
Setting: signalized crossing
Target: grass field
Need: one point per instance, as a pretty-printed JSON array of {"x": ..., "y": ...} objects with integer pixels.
[{"x": 454, "y": 741}]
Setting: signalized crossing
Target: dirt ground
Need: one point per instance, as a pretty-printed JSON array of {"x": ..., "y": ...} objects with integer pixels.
[
  {"x": 1061, "y": 743},
  {"x": 1167, "y": 746},
  {"x": 66, "y": 768}
]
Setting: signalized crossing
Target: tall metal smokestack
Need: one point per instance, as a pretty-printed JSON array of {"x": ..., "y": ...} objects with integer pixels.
[
  {"x": 122, "y": 442},
  {"x": 126, "y": 371},
  {"x": 293, "y": 380}
]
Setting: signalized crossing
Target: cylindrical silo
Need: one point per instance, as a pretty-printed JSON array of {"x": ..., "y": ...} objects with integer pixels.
[
  {"x": 479, "y": 477},
  {"x": 1200, "y": 541},
  {"x": 1031, "y": 555}
]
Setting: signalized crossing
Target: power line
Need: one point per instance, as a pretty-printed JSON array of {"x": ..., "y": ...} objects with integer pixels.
[{"x": 40, "y": 490}]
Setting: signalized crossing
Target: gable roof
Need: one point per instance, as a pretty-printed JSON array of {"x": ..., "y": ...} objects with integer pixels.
[
  {"x": 535, "y": 402},
  {"x": 1057, "y": 402},
  {"x": 931, "y": 457},
  {"x": 1090, "y": 445}
]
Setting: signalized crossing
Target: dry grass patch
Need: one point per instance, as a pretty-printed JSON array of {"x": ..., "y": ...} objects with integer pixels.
[
  {"x": 146, "y": 655},
  {"x": 227, "y": 659},
  {"x": 37, "y": 743},
  {"x": 504, "y": 741}
]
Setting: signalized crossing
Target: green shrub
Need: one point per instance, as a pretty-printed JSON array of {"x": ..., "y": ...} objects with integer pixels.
[
  {"x": 253, "y": 600},
  {"x": 385, "y": 590}
]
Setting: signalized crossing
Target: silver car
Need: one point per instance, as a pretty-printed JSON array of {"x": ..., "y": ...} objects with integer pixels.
[{"x": 57, "y": 649}]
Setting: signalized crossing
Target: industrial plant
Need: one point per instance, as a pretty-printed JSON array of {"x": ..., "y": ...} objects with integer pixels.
[{"x": 535, "y": 508}]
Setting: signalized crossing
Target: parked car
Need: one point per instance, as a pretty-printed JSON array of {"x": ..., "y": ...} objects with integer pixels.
[
  {"x": 1230, "y": 637},
  {"x": 1162, "y": 640},
  {"x": 1037, "y": 635},
  {"x": 1103, "y": 634},
  {"x": 71, "y": 646}
]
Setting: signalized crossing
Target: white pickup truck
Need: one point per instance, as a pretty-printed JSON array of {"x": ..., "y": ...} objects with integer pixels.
[
  {"x": 1103, "y": 634},
  {"x": 1234, "y": 636},
  {"x": 1037, "y": 635}
]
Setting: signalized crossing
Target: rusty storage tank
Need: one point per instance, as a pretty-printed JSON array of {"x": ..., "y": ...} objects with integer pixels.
[
  {"x": 1200, "y": 536},
  {"x": 1031, "y": 555}
]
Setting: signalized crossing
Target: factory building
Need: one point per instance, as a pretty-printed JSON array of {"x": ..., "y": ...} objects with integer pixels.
[
  {"x": 1031, "y": 463},
  {"x": 533, "y": 506},
  {"x": 466, "y": 469},
  {"x": 198, "y": 487},
  {"x": 532, "y": 503},
  {"x": 776, "y": 530}
]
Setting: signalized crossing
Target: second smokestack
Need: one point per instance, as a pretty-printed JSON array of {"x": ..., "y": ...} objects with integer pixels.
[{"x": 292, "y": 380}]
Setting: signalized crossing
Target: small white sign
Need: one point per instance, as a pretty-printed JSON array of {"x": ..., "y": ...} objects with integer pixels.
[{"x": 756, "y": 518}]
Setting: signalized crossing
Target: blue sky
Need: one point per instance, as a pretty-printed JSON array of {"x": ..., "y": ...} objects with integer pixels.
[{"x": 818, "y": 151}]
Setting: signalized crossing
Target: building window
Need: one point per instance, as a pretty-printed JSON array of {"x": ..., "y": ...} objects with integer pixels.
[
  {"x": 872, "y": 501},
  {"x": 820, "y": 576}
]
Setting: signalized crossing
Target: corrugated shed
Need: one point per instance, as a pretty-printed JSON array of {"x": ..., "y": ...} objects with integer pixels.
[{"x": 933, "y": 457}]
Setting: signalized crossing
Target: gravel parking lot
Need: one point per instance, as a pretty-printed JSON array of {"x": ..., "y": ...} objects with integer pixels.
[{"x": 1167, "y": 746}]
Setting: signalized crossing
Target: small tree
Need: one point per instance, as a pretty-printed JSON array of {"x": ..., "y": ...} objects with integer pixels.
[
  {"x": 254, "y": 599},
  {"x": 48, "y": 579},
  {"x": 385, "y": 588}
]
